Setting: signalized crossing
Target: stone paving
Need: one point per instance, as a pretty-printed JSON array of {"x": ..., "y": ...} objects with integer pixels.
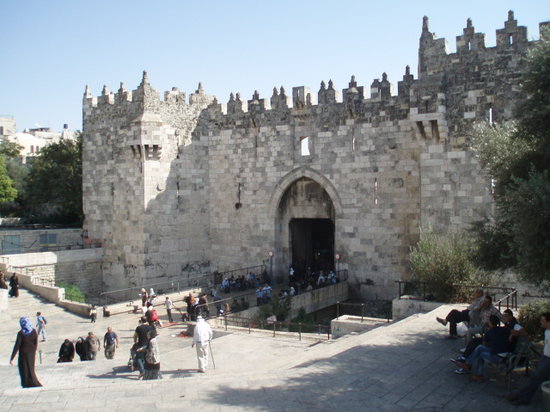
[{"x": 400, "y": 367}]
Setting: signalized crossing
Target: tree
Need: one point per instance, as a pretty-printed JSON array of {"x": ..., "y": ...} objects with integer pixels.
[
  {"x": 442, "y": 263},
  {"x": 54, "y": 187},
  {"x": 517, "y": 156},
  {"x": 17, "y": 171},
  {"x": 10, "y": 150},
  {"x": 7, "y": 191}
]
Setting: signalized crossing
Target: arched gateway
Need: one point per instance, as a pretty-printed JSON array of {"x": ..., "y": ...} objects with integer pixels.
[{"x": 304, "y": 207}]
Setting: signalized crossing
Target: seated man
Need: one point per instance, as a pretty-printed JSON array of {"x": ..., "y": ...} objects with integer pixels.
[
  {"x": 525, "y": 394},
  {"x": 455, "y": 316},
  {"x": 495, "y": 349},
  {"x": 510, "y": 322},
  {"x": 479, "y": 320}
]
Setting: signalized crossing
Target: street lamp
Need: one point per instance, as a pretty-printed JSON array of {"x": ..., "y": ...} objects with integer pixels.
[
  {"x": 271, "y": 254},
  {"x": 337, "y": 258}
]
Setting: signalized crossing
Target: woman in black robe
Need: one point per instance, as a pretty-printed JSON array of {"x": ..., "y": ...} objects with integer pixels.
[
  {"x": 81, "y": 348},
  {"x": 66, "y": 352},
  {"x": 26, "y": 344},
  {"x": 14, "y": 284}
]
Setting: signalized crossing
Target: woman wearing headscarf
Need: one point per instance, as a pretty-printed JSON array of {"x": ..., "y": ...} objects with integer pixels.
[
  {"x": 66, "y": 352},
  {"x": 26, "y": 344},
  {"x": 81, "y": 348},
  {"x": 152, "y": 357},
  {"x": 14, "y": 285}
]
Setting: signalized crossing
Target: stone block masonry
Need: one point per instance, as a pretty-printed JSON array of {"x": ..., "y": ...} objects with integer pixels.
[{"x": 173, "y": 188}]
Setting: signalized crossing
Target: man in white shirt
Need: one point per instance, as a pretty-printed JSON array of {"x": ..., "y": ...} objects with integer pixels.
[
  {"x": 169, "y": 306},
  {"x": 524, "y": 395},
  {"x": 202, "y": 335}
]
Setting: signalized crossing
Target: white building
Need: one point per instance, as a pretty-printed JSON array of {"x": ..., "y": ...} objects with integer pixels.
[{"x": 33, "y": 141}]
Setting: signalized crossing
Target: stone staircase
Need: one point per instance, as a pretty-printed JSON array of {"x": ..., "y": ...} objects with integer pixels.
[{"x": 399, "y": 367}]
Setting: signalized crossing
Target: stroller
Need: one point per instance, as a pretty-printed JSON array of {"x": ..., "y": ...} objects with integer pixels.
[{"x": 132, "y": 362}]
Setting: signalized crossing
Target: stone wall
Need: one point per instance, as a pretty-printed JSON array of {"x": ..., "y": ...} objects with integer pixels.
[
  {"x": 172, "y": 187},
  {"x": 17, "y": 240},
  {"x": 76, "y": 267}
]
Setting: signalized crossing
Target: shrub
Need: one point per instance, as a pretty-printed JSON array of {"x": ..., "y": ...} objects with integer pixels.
[
  {"x": 278, "y": 307},
  {"x": 529, "y": 317},
  {"x": 443, "y": 261},
  {"x": 73, "y": 293}
]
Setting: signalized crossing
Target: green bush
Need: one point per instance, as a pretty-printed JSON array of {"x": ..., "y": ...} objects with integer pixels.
[
  {"x": 278, "y": 307},
  {"x": 529, "y": 317},
  {"x": 73, "y": 293},
  {"x": 440, "y": 262}
]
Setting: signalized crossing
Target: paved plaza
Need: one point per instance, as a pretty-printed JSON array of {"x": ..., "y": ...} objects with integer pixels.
[{"x": 399, "y": 367}]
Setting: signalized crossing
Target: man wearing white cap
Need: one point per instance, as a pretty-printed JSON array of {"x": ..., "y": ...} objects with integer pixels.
[{"x": 202, "y": 336}]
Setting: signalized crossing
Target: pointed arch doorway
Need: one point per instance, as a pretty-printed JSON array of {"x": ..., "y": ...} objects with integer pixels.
[{"x": 305, "y": 227}]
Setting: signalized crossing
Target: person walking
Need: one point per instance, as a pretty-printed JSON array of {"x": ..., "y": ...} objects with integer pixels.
[
  {"x": 66, "y": 352},
  {"x": 169, "y": 306},
  {"x": 202, "y": 335},
  {"x": 41, "y": 323},
  {"x": 93, "y": 346},
  {"x": 110, "y": 343},
  {"x": 26, "y": 344},
  {"x": 141, "y": 342},
  {"x": 93, "y": 314},
  {"x": 14, "y": 285},
  {"x": 152, "y": 357},
  {"x": 81, "y": 347}
]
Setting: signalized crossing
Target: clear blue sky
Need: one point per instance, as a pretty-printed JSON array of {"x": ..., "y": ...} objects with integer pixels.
[{"x": 51, "y": 49}]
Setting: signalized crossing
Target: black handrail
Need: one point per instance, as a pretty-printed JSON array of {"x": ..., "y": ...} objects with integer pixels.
[
  {"x": 343, "y": 305},
  {"x": 250, "y": 323},
  {"x": 511, "y": 300},
  {"x": 425, "y": 285}
]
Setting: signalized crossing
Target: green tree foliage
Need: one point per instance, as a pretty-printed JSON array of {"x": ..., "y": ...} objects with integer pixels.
[
  {"x": 7, "y": 191},
  {"x": 278, "y": 307},
  {"x": 10, "y": 150},
  {"x": 441, "y": 262},
  {"x": 54, "y": 188},
  {"x": 529, "y": 317},
  {"x": 17, "y": 171},
  {"x": 73, "y": 292},
  {"x": 517, "y": 156}
]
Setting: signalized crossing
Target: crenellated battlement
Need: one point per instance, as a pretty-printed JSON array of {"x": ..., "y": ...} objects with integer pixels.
[{"x": 174, "y": 183}]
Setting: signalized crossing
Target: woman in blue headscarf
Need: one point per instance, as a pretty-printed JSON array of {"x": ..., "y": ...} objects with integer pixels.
[{"x": 26, "y": 344}]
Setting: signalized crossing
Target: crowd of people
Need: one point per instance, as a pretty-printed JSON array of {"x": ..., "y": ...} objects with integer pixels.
[{"x": 492, "y": 338}]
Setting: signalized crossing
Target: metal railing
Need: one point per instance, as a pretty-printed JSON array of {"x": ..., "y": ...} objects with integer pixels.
[
  {"x": 257, "y": 270},
  {"x": 511, "y": 300},
  {"x": 365, "y": 309},
  {"x": 250, "y": 296},
  {"x": 425, "y": 287},
  {"x": 323, "y": 332},
  {"x": 206, "y": 307},
  {"x": 171, "y": 286}
]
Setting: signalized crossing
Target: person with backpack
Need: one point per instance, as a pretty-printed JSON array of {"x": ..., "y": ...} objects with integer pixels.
[
  {"x": 152, "y": 316},
  {"x": 41, "y": 323}
]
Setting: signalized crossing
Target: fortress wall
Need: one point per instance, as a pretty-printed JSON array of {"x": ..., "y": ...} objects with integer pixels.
[{"x": 174, "y": 188}]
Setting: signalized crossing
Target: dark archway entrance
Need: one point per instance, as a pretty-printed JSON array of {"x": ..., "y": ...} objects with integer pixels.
[{"x": 312, "y": 243}]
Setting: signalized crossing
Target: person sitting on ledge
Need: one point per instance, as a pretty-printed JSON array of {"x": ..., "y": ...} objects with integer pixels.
[
  {"x": 495, "y": 348},
  {"x": 455, "y": 316},
  {"x": 524, "y": 395}
]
